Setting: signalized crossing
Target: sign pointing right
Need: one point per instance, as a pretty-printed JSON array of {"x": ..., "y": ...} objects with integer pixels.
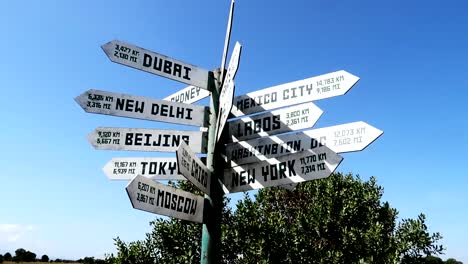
[
  {"x": 311, "y": 89},
  {"x": 298, "y": 167},
  {"x": 340, "y": 139}
]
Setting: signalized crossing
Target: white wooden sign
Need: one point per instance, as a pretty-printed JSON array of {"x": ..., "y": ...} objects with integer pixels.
[
  {"x": 188, "y": 95},
  {"x": 140, "y": 139},
  {"x": 155, "y": 63},
  {"x": 275, "y": 122},
  {"x": 298, "y": 167},
  {"x": 150, "y": 196},
  {"x": 227, "y": 90},
  {"x": 153, "y": 168},
  {"x": 108, "y": 103},
  {"x": 340, "y": 139},
  {"x": 311, "y": 89},
  {"x": 192, "y": 168}
]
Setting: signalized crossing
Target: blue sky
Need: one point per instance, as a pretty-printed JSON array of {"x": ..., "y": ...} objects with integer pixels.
[{"x": 411, "y": 57}]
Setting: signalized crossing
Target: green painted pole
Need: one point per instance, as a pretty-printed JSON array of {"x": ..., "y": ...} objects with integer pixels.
[{"x": 211, "y": 231}]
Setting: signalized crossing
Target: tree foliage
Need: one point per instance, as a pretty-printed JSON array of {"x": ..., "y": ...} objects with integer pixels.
[
  {"x": 7, "y": 257},
  {"x": 340, "y": 219},
  {"x": 45, "y": 258}
]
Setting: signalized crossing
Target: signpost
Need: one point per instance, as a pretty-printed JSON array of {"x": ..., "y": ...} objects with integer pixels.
[
  {"x": 154, "y": 197},
  {"x": 152, "y": 168},
  {"x": 140, "y": 139},
  {"x": 188, "y": 95},
  {"x": 279, "y": 121},
  {"x": 107, "y": 103},
  {"x": 340, "y": 139},
  {"x": 155, "y": 63},
  {"x": 302, "y": 166},
  {"x": 227, "y": 91},
  {"x": 192, "y": 168},
  {"x": 258, "y": 158},
  {"x": 311, "y": 89}
]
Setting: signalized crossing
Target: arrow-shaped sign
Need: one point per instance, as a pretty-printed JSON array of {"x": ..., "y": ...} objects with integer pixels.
[
  {"x": 108, "y": 103},
  {"x": 302, "y": 166},
  {"x": 154, "y": 197},
  {"x": 227, "y": 90},
  {"x": 192, "y": 168},
  {"x": 188, "y": 95},
  {"x": 275, "y": 122},
  {"x": 311, "y": 89},
  {"x": 152, "y": 168},
  {"x": 155, "y": 63},
  {"x": 340, "y": 139},
  {"x": 140, "y": 139}
]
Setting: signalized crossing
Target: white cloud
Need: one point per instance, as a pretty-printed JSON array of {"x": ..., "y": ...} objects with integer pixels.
[{"x": 13, "y": 232}]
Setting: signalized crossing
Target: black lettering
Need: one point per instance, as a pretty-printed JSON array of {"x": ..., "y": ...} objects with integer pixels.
[
  {"x": 291, "y": 170},
  {"x": 143, "y": 167},
  {"x": 174, "y": 202},
  {"x": 147, "y": 60},
  {"x": 156, "y": 66},
  {"x": 193, "y": 208},
  {"x": 276, "y": 122},
  {"x": 160, "y": 195},
  {"x": 188, "y": 201},
  {"x": 187, "y": 70},
  {"x": 167, "y": 200},
  {"x": 154, "y": 109},
  {"x": 138, "y": 139},
  {"x": 167, "y": 67},
  {"x": 179, "y": 207},
  {"x": 129, "y": 139},
  {"x": 177, "y": 69}
]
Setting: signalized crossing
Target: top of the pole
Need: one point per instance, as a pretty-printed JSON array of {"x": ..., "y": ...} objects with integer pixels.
[{"x": 226, "y": 40}]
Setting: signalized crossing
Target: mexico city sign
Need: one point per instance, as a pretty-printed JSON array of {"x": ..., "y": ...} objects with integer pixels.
[{"x": 311, "y": 89}]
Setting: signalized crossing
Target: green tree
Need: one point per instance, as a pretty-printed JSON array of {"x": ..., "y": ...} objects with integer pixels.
[
  {"x": 453, "y": 261},
  {"x": 1, "y": 258},
  {"x": 7, "y": 257},
  {"x": 45, "y": 258},
  {"x": 340, "y": 219}
]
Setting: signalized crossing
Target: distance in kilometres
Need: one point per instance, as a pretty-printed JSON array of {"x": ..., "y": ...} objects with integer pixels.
[
  {"x": 152, "y": 168},
  {"x": 155, "y": 63},
  {"x": 341, "y": 138},
  {"x": 154, "y": 197},
  {"x": 141, "y": 139},
  {"x": 283, "y": 120},
  {"x": 302, "y": 166},
  {"x": 108, "y": 103},
  {"x": 311, "y": 89}
]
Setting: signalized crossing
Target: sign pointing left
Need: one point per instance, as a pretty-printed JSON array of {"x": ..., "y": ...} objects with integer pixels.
[
  {"x": 107, "y": 103},
  {"x": 155, "y": 63},
  {"x": 154, "y": 197}
]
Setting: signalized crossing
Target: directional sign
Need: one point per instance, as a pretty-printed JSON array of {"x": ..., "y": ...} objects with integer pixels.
[
  {"x": 227, "y": 90},
  {"x": 154, "y": 197},
  {"x": 140, "y": 139},
  {"x": 152, "y": 62},
  {"x": 107, "y": 103},
  {"x": 188, "y": 95},
  {"x": 311, "y": 89},
  {"x": 152, "y": 168},
  {"x": 302, "y": 166},
  {"x": 192, "y": 168},
  {"x": 342, "y": 138},
  {"x": 279, "y": 121}
]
